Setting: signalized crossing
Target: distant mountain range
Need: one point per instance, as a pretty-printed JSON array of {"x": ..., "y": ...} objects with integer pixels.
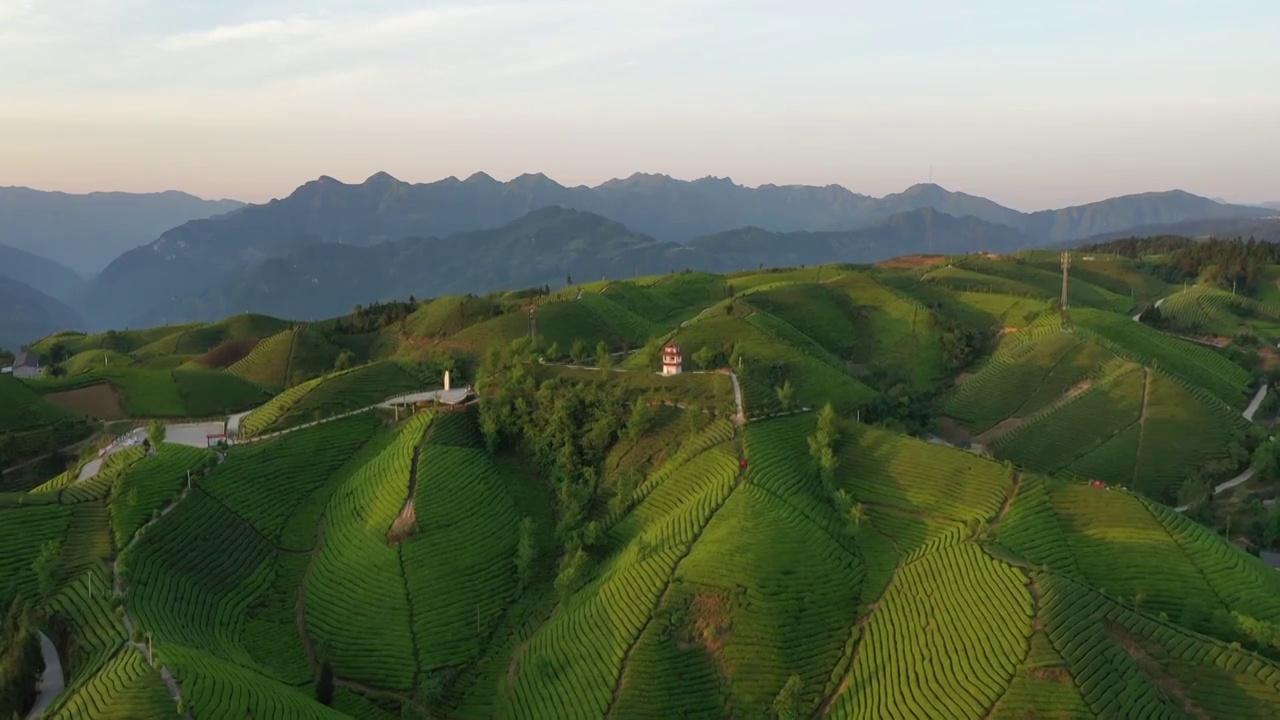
[
  {"x": 194, "y": 269},
  {"x": 85, "y": 232},
  {"x": 313, "y": 280}
]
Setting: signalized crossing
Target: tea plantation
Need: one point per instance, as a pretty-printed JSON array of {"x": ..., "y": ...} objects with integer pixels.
[{"x": 867, "y": 495}]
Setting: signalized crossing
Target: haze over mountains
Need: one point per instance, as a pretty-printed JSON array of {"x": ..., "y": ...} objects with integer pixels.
[
  {"x": 85, "y": 232},
  {"x": 330, "y": 245}
]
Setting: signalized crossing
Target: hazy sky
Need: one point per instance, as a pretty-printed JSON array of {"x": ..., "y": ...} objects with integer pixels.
[{"x": 1034, "y": 104}]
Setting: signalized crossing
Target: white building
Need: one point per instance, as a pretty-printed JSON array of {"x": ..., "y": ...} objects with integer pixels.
[
  {"x": 26, "y": 365},
  {"x": 672, "y": 360}
]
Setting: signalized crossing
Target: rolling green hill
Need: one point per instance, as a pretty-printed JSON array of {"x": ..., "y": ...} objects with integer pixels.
[{"x": 591, "y": 539}]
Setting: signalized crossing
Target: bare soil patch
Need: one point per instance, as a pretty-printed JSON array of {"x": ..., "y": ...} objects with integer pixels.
[
  {"x": 1214, "y": 340},
  {"x": 963, "y": 377},
  {"x": 100, "y": 402},
  {"x": 953, "y": 432},
  {"x": 1055, "y": 674},
  {"x": 1269, "y": 356},
  {"x": 1008, "y": 330},
  {"x": 907, "y": 262},
  {"x": 1004, "y": 427},
  {"x": 1078, "y": 388},
  {"x": 712, "y": 621},
  {"x": 228, "y": 353},
  {"x": 1156, "y": 673}
]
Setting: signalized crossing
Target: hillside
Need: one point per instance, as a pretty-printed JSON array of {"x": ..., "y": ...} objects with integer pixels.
[
  {"x": 86, "y": 232},
  {"x": 760, "y": 536}
]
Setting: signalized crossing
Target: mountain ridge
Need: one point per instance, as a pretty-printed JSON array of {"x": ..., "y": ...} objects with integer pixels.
[
  {"x": 85, "y": 232},
  {"x": 316, "y": 280}
]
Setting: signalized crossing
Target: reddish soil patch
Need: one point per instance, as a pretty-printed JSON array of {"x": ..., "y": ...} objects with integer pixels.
[
  {"x": 711, "y": 621},
  {"x": 1078, "y": 388},
  {"x": 1004, "y": 427},
  {"x": 1214, "y": 340},
  {"x": 100, "y": 402},
  {"x": 1055, "y": 674},
  {"x": 1008, "y": 330},
  {"x": 963, "y": 377},
  {"x": 907, "y": 262},
  {"x": 1270, "y": 358},
  {"x": 228, "y": 353}
]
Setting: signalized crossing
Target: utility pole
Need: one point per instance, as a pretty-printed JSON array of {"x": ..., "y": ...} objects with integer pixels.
[
  {"x": 533, "y": 322},
  {"x": 1066, "y": 266}
]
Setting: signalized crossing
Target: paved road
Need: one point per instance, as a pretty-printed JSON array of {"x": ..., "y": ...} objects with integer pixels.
[
  {"x": 52, "y": 682},
  {"x": 1158, "y": 304},
  {"x": 1256, "y": 403}
]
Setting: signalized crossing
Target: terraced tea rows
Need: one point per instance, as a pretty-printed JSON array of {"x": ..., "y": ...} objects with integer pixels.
[
  {"x": 264, "y": 483},
  {"x": 572, "y": 665},
  {"x": 149, "y": 485},
  {"x": 946, "y": 640},
  {"x": 355, "y": 548},
  {"x": 458, "y": 568}
]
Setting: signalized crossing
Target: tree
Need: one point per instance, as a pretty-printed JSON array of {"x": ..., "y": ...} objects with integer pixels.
[
  {"x": 578, "y": 352},
  {"x": 573, "y": 574},
  {"x": 788, "y": 705},
  {"x": 603, "y": 358},
  {"x": 1265, "y": 462},
  {"x": 1193, "y": 492},
  {"x": 44, "y": 566},
  {"x": 156, "y": 432},
  {"x": 641, "y": 418},
  {"x": 324, "y": 684},
  {"x": 785, "y": 394},
  {"x": 568, "y": 280},
  {"x": 822, "y": 444},
  {"x": 526, "y": 552},
  {"x": 705, "y": 357},
  {"x": 344, "y": 361},
  {"x": 553, "y": 352}
]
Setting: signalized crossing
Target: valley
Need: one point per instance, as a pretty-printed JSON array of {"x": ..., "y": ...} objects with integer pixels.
[{"x": 775, "y": 531}]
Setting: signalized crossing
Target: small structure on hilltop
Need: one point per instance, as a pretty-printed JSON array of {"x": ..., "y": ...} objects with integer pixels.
[
  {"x": 26, "y": 365},
  {"x": 672, "y": 359}
]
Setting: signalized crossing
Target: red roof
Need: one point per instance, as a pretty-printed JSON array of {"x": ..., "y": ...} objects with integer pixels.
[{"x": 672, "y": 348}]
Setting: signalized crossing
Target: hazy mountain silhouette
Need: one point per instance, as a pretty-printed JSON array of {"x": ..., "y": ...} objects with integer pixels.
[
  {"x": 203, "y": 255},
  {"x": 47, "y": 276},
  {"x": 315, "y": 280},
  {"x": 26, "y": 314},
  {"x": 85, "y": 232}
]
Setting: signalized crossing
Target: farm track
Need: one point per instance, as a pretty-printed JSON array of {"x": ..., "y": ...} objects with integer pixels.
[
  {"x": 1034, "y": 591},
  {"x": 611, "y": 711},
  {"x": 1142, "y": 422},
  {"x": 118, "y": 585},
  {"x": 829, "y": 702}
]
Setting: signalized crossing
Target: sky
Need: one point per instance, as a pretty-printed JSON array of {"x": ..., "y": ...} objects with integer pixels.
[{"x": 1033, "y": 104}]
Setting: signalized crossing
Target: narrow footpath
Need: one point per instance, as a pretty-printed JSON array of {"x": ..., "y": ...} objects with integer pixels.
[{"x": 118, "y": 585}]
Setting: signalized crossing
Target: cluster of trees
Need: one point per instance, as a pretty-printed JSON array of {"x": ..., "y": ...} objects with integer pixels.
[
  {"x": 376, "y": 316},
  {"x": 20, "y": 659},
  {"x": 1225, "y": 263},
  {"x": 1136, "y": 247},
  {"x": 822, "y": 448},
  {"x": 567, "y": 429}
]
